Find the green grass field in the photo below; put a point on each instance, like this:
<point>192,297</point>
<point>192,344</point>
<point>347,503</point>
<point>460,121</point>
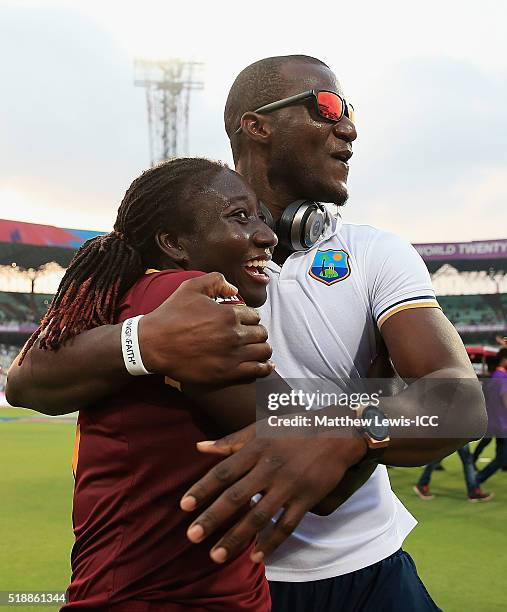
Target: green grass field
<point>460,548</point>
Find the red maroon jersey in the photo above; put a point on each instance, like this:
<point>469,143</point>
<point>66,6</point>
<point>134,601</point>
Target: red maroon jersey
<point>135,457</point>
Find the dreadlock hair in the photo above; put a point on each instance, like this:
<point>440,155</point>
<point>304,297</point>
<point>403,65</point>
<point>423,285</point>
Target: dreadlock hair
<point>105,267</point>
<point>256,85</point>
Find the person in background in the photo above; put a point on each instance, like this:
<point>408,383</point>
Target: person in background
<point>495,391</point>
<point>481,445</point>
<point>474,492</point>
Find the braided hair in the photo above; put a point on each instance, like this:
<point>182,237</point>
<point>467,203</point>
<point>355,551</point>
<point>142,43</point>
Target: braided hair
<point>106,267</point>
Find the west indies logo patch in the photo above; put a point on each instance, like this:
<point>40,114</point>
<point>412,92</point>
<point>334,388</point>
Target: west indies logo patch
<point>330,267</point>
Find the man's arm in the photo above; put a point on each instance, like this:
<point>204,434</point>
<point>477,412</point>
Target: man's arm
<point>424,345</point>
<point>190,338</point>
<point>295,474</point>
<point>235,407</point>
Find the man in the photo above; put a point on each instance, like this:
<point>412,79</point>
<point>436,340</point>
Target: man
<point>501,341</point>
<point>496,404</point>
<point>351,558</point>
<point>326,329</point>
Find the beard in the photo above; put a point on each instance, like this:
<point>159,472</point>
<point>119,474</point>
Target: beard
<point>292,175</point>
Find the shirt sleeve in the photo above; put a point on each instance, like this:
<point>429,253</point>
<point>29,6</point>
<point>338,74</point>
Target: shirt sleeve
<point>397,277</point>
<point>152,290</point>
<point>155,287</point>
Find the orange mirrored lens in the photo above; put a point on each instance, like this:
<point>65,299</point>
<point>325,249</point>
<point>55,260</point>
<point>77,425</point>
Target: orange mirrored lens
<point>330,105</point>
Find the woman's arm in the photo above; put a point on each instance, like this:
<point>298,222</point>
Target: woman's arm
<point>215,345</point>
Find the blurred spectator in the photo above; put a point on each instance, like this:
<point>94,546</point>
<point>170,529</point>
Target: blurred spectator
<point>480,447</point>
<point>474,492</point>
<point>495,392</point>
<point>7,355</point>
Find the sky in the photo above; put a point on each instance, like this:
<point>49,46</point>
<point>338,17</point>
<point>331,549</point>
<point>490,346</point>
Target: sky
<point>428,82</point>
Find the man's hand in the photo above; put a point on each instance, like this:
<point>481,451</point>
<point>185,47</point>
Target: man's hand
<point>293,475</point>
<point>194,339</point>
<point>352,480</point>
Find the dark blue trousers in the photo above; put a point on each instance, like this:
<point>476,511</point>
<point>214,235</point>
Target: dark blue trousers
<point>498,462</point>
<point>391,585</point>
<point>468,469</point>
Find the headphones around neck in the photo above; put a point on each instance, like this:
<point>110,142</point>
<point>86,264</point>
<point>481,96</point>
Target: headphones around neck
<point>301,225</point>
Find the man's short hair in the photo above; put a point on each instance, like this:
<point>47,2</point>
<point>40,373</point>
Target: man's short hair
<point>256,85</point>
<point>502,354</point>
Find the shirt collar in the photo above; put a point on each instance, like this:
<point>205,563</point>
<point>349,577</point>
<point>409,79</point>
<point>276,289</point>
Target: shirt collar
<point>332,223</point>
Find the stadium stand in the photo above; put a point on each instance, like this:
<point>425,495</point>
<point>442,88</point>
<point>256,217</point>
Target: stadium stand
<point>7,355</point>
<point>17,309</point>
<point>469,279</point>
<point>33,258</point>
<point>475,311</point>
<point>471,284</point>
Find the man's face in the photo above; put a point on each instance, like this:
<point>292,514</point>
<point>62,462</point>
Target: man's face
<point>305,148</point>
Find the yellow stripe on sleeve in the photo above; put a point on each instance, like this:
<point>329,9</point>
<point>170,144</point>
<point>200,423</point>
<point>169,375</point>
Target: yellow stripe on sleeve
<point>389,314</point>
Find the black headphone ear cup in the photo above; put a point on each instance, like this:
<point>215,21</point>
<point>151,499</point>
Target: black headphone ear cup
<point>300,225</point>
<point>284,226</point>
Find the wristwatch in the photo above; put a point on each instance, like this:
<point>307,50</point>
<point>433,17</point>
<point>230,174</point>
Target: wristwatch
<point>375,430</point>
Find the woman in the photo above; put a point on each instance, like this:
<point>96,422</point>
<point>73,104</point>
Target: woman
<point>135,455</point>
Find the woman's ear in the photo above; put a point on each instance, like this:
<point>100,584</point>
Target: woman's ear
<point>172,249</point>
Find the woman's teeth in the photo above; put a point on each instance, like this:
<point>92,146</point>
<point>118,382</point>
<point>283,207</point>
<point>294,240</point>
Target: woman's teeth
<point>257,263</point>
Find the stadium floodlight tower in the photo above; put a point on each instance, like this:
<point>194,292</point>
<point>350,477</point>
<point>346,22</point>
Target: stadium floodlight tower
<point>168,84</point>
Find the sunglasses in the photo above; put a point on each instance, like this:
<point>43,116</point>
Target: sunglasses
<point>328,105</point>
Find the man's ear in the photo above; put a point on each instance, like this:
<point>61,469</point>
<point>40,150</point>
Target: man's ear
<point>173,248</point>
<point>257,127</point>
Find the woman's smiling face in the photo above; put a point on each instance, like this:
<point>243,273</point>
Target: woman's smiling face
<point>230,236</point>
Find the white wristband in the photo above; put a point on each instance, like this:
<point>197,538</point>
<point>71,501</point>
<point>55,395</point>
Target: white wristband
<point>130,347</point>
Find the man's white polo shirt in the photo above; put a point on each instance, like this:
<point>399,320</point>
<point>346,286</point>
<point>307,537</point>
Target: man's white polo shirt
<point>322,310</point>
